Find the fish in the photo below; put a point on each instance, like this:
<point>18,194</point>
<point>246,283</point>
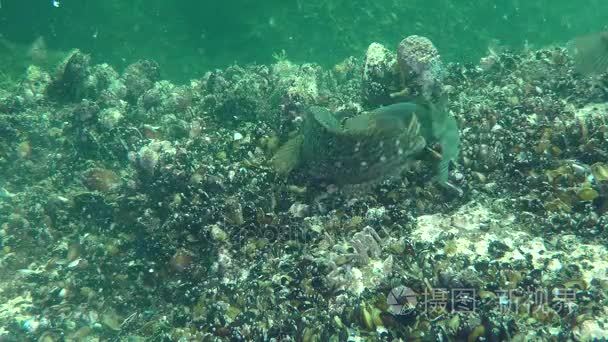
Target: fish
<point>590,53</point>
<point>370,147</point>
<point>5,193</point>
<point>19,56</point>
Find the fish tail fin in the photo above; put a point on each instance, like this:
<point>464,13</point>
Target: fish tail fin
<point>439,110</point>
<point>590,53</point>
<point>446,132</point>
<point>288,156</point>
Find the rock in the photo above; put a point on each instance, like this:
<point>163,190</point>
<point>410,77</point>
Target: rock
<point>379,75</point>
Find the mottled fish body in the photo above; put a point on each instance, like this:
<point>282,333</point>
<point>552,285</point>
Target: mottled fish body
<point>436,126</point>
<point>367,148</point>
<point>355,155</point>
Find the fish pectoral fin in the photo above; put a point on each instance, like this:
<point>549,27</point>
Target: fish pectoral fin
<point>413,128</point>
<point>326,119</point>
<point>288,156</point>
<point>453,188</point>
<point>434,153</point>
<point>359,123</point>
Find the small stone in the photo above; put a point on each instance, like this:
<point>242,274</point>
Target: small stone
<point>458,176</point>
<point>299,209</point>
<point>110,117</point>
<point>375,214</point>
<point>218,233</point>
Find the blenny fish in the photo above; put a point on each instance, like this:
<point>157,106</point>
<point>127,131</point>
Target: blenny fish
<point>371,146</point>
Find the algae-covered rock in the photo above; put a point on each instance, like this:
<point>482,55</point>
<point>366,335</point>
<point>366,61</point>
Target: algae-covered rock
<point>69,84</point>
<point>420,66</point>
<point>237,94</point>
<point>139,77</point>
<point>380,75</point>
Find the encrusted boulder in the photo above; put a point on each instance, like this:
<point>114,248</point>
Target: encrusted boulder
<point>379,78</point>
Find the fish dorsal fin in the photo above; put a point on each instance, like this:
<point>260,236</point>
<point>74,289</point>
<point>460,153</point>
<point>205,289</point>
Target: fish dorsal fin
<point>391,118</point>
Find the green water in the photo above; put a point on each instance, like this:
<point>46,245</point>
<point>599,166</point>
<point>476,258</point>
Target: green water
<point>188,38</point>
